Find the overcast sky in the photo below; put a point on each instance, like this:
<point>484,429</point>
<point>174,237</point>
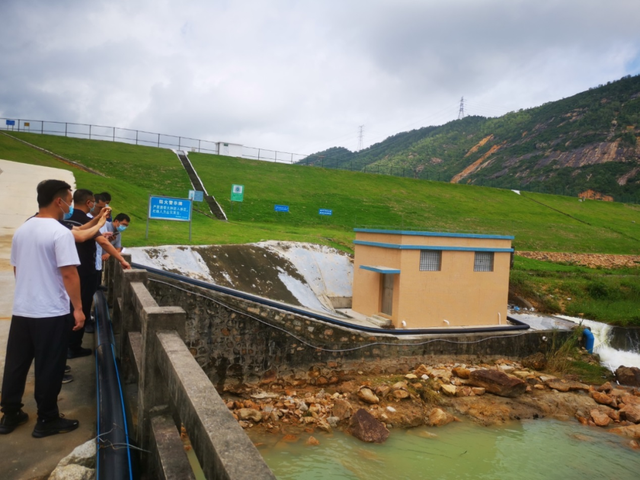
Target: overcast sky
<point>302,76</point>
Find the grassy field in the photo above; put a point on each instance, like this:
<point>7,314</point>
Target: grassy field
<point>538,221</point>
<point>607,295</point>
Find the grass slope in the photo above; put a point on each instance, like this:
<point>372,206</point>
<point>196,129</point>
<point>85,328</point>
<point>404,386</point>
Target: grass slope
<point>538,221</point>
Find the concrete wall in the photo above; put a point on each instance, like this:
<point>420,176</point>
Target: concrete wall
<point>422,299</point>
<point>238,341</point>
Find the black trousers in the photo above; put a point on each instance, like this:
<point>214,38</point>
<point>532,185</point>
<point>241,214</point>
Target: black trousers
<point>87,290</point>
<point>46,341</point>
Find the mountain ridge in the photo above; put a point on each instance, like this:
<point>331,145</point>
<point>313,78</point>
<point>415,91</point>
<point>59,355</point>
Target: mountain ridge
<point>588,141</point>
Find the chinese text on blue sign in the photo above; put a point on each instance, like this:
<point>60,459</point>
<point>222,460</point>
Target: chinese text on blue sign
<point>324,211</point>
<point>164,208</point>
<point>281,208</point>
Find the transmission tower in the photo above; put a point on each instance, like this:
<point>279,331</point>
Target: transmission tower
<point>461,111</point>
<point>360,137</point>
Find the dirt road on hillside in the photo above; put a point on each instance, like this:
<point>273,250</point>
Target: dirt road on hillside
<point>591,260</point>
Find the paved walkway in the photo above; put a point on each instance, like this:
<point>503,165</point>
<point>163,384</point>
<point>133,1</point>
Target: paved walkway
<point>22,456</point>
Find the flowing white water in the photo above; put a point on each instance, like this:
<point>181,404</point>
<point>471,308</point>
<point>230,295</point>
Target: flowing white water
<point>609,356</point>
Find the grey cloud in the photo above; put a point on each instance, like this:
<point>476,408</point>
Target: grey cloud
<point>302,75</point>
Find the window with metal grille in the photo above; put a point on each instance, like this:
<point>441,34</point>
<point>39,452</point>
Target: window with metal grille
<point>430,260</point>
<point>483,262</point>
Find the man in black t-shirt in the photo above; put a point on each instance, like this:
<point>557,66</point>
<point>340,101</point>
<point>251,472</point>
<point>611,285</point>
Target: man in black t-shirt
<point>83,203</point>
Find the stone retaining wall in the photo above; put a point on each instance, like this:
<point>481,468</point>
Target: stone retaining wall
<point>239,341</point>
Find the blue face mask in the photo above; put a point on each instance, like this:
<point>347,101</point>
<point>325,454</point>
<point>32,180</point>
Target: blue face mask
<point>67,216</point>
<point>122,228</point>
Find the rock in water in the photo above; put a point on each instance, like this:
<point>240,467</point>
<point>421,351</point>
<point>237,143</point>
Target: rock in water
<point>632,431</point>
<point>342,409</point>
<point>365,427</point>
<point>497,382</point>
<point>438,417</point>
<point>628,376</point>
<point>630,413</point>
<point>600,418</point>
<point>249,414</point>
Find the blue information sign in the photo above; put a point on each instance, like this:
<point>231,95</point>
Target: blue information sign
<point>166,208</point>
<point>11,123</point>
<point>281,208</point>
<point>324,211</point>
<point>196,195</point>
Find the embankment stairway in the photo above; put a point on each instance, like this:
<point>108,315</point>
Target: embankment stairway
<point>214,206</point>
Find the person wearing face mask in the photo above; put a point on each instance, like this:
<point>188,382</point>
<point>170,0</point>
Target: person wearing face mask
<point>114,232</point>
<point>84,202</point>
<point>44,260</point>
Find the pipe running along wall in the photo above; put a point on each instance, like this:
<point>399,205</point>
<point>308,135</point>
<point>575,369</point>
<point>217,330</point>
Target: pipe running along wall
<point>325,318</point>
<point>114,453</point>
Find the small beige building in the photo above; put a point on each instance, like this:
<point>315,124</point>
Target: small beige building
<point>428,279</point>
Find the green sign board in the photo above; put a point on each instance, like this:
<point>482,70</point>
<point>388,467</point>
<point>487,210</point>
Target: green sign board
<point>237,193</point>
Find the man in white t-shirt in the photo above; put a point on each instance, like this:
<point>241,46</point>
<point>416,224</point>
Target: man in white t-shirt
<point>45,260</point>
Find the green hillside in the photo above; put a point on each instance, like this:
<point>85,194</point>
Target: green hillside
<point>587,141</point>
<point>538,221</point>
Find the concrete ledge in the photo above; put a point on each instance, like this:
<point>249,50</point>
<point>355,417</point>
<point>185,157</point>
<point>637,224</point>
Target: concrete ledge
<point>205,416</point>
<point>135,341</point>
<point>169,460</point>
<point>141,297</point>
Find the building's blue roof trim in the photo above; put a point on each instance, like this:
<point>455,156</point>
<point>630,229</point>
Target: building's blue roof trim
<point>432,247</point>
<point>380,269</point>
<point>434,234</point>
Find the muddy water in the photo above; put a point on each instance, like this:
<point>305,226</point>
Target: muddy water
<point>542,449</point>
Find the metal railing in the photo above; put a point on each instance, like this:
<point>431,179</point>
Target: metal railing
<point>140,137</point>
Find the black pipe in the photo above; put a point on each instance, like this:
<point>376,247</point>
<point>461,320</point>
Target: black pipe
<point>289,308</point>
<point>114,454</point>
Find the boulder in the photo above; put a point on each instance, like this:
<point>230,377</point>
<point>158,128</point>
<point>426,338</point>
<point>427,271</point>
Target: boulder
<point>449,390</point>
<point>630,412</point>
<point>421,370</point>
<point>366,395</point>
<point>73,472</point>
<point>324,425</point>
<point>400,394</point>
<point>333,421</point>
<point>461,372</point>
<point>382,390</point>
<point>497,382</point>
<point>599,418</point>
<point>603,398</point>
<point>478,391</point>
<point>537,361</point>
<point>605,387</point>
<point>399,386</point>
<point>78,465</point>
<point>438,417</point>
<point>631,431</point>
<point>628,376</point>
<point>464,391</point>
<point>342,409</point>
<point>365,427</point>
<point>84,455</point>
<point>249,414</point>
<point>312,441</point>
<point>565,385</point>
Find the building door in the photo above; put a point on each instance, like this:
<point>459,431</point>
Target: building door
<point>387,293</point>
